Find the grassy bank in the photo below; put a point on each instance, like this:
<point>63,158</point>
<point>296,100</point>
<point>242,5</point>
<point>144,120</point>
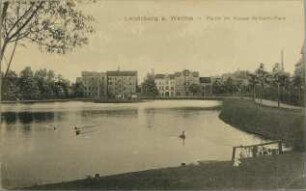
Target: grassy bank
<point>273,123</point>
<point>269,172</point>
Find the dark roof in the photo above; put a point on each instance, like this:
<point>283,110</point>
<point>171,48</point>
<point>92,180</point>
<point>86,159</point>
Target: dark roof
<point>87,73</point>
<point>163,76</point>
<point>205,80</point>
<point>121,73</point>
<point>160,76</point>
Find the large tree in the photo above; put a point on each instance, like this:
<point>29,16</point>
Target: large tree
<point>280,79</point>
<point>253,81</point>
<point>11,86</point>
<point>78,90</point>
<point>263,78</point>
<point>195,89</point>
<point>56,26</point>
<point>28,85</point>
<point>299,81</point>
<point>45,87</point>
<point>218,86</point>
<point>230,86</point>
<point>148,87</point>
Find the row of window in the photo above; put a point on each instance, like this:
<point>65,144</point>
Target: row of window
<point>124,83</point>
<point>166,82</point>
<point>122,89</point>
<point>91,88</point>
<point>122,78</point>
<point>165,88</point>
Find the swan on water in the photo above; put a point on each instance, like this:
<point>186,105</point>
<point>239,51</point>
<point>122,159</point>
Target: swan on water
<point>183,136</point>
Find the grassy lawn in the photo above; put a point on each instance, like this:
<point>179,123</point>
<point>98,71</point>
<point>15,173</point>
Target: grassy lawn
<point>269,172</point>
<point>273,123</point>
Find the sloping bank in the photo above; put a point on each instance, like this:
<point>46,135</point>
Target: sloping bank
<point>269,122</point>
<point>267,172</point>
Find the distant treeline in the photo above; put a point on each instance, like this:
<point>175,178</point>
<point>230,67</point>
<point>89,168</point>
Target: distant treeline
<point>37,85</point>
<point>275,85</point>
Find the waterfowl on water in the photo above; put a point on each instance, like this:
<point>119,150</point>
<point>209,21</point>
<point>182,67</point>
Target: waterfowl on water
<point>183,136</point>
<point>77,130</point>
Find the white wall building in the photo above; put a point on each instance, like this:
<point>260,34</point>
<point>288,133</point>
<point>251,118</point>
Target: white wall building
<point>165,85</point>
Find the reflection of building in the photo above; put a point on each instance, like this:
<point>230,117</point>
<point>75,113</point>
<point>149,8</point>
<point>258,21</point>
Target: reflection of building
<point>206,86</point>
<point>95,85</point>
<point>121,84</point>
<point>184,80</point>
<point>165,85</point>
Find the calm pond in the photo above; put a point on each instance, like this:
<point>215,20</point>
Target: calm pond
<point>38,142</point>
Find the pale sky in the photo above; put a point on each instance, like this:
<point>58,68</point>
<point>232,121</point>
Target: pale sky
<point>210,47</point>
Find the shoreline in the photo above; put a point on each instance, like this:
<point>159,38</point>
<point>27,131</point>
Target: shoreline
<point>267,122</point>
<point>254,173</point>
<point>142,99</point>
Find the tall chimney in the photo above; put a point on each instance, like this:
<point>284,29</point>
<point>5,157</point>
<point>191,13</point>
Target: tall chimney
<point>282,60</point>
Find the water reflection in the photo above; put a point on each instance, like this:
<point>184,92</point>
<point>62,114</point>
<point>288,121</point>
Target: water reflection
<point>26,128</point>
<point>181,112</point>
<point>111,113</point>
<point>113,139</point>
<point>9,117</point>
<point>26,117</point>
<point>150,118</point>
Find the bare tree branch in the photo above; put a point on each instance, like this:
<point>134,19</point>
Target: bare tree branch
<point>24,15</point>
<point>27,21</point>
<point>4,10</point>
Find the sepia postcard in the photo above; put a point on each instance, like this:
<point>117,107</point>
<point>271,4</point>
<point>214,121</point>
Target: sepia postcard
<point>152,95</point>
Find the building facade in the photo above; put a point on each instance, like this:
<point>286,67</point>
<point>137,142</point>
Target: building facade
<point>121,84</point>
<point>165,85</point>
<point>206,86</point>
<point>95,84</point>
<point>183,81</point>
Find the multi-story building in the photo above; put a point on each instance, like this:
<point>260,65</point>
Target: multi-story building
<point>206,86</point>
<point>165,85</point>
<point>121,84</point>
<point>95,84</point>
<point>183,81</point>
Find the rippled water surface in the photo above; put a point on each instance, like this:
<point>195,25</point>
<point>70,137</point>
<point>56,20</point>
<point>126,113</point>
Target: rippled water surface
<point>38,142</point>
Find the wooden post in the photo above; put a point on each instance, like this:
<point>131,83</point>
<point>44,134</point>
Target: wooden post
<point>234,153</point>
<point>280,147</point>
<point>255,151</point>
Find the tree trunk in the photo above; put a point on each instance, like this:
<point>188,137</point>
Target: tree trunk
<point>254,93</point>
<point>278,95</point>
<point>1,51</point>
<point>261,94</point>
<point>299,95</point>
